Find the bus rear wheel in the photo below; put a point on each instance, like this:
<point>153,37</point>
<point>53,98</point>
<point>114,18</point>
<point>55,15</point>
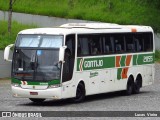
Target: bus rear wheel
<point>137,85</point>
<point>80,93</point>
<point>130,85</point>
<point>35,100</point>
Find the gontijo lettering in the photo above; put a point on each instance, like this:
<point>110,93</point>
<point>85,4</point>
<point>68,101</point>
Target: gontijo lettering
<point>93,63</point>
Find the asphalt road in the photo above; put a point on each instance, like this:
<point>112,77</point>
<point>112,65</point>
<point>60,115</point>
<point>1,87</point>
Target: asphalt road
<point>147,100</point>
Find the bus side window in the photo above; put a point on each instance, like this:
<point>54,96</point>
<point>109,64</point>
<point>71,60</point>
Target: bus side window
<point>94,47</point>
<point>138,46</point>
<point>148,44</point>
<point>69,58</point>
<point>118,48</point>
<point>107,48</point>
<point>106,44</point>
<point>130,44</point>
<point>130,47</point>
<point>96,44</point>
<point>83,48</point>
<point>119,43</point>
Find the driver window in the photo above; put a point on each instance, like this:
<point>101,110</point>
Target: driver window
<point>68,66</point>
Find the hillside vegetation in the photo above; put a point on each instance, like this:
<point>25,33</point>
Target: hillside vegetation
<point>5,38</point>
<point>157,56</point>
<point>141,12</point>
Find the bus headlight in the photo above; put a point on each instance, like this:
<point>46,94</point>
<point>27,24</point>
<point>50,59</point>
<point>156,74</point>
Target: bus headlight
<point>54,86</point>
<point>16,85</point>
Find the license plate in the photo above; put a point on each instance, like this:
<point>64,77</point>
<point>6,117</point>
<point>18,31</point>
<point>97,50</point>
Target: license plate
<point>33,93</point>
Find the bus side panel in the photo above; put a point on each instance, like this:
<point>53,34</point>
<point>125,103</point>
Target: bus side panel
<point>121,80</point>
<point>112,83</point>
<point>91,83</point>
<point>69,88</point>
<point>148,75</point>
<point>106,81</point>
<point>119,83</point>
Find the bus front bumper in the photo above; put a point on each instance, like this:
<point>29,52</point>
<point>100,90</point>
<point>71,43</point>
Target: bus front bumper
<point>54,93</point>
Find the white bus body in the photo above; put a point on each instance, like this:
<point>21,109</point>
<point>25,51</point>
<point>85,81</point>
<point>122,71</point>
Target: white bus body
<point>80,59</point>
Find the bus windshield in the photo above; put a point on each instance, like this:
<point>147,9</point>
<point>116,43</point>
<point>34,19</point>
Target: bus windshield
<point>42,41</point>
<point>36,65</point>
<point>36,57</point>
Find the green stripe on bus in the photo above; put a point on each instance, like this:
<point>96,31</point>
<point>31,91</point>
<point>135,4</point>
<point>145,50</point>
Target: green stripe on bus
<point>143,59</point>
<point>109,62</point>
<point>95,63</point>
<point>13,80</point>
<point>119,73</point>
<point>135,59</point>
<point>52,82</point>
<point>123,60</point>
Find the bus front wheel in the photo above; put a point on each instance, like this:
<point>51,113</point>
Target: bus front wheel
<point>35,100</point>
<point>80,93</point>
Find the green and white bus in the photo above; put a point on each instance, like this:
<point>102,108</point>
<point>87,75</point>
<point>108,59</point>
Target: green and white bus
<point>79,59</point>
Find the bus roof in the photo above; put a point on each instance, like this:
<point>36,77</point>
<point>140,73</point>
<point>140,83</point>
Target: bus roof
<point>80,28</point>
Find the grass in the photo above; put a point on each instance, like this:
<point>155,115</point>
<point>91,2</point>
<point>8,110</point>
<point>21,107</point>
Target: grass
<point>5,38</point>
<point>141,12</point>
<point>157,56</point>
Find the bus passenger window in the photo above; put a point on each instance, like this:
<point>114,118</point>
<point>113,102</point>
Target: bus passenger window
<point>130,44</point>
<point>119,40</point>
<point>95,45</point>
<point>118,48</point>
<point>108,44</point>
<point>130,47</point>
<point>107,49</point>
<point>83,48</point>
<point>95,51</point>
<point>138,45</point>
<point>148,44</point>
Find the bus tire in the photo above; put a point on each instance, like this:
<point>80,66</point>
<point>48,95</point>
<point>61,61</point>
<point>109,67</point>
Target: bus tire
<point>35,100</point>
<point>130,85</point>
<point>80,93</point>
<point>137,85</point>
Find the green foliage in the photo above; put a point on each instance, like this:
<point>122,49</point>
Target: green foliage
<point>157,56</point>
<point>141,12</point>
<point>5,38</point>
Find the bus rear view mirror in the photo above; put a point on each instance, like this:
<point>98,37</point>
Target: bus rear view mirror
<point>7,52</point>
<point>61,53</point>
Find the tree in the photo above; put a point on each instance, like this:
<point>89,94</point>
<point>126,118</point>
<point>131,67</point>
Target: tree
<point>11,2</point>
